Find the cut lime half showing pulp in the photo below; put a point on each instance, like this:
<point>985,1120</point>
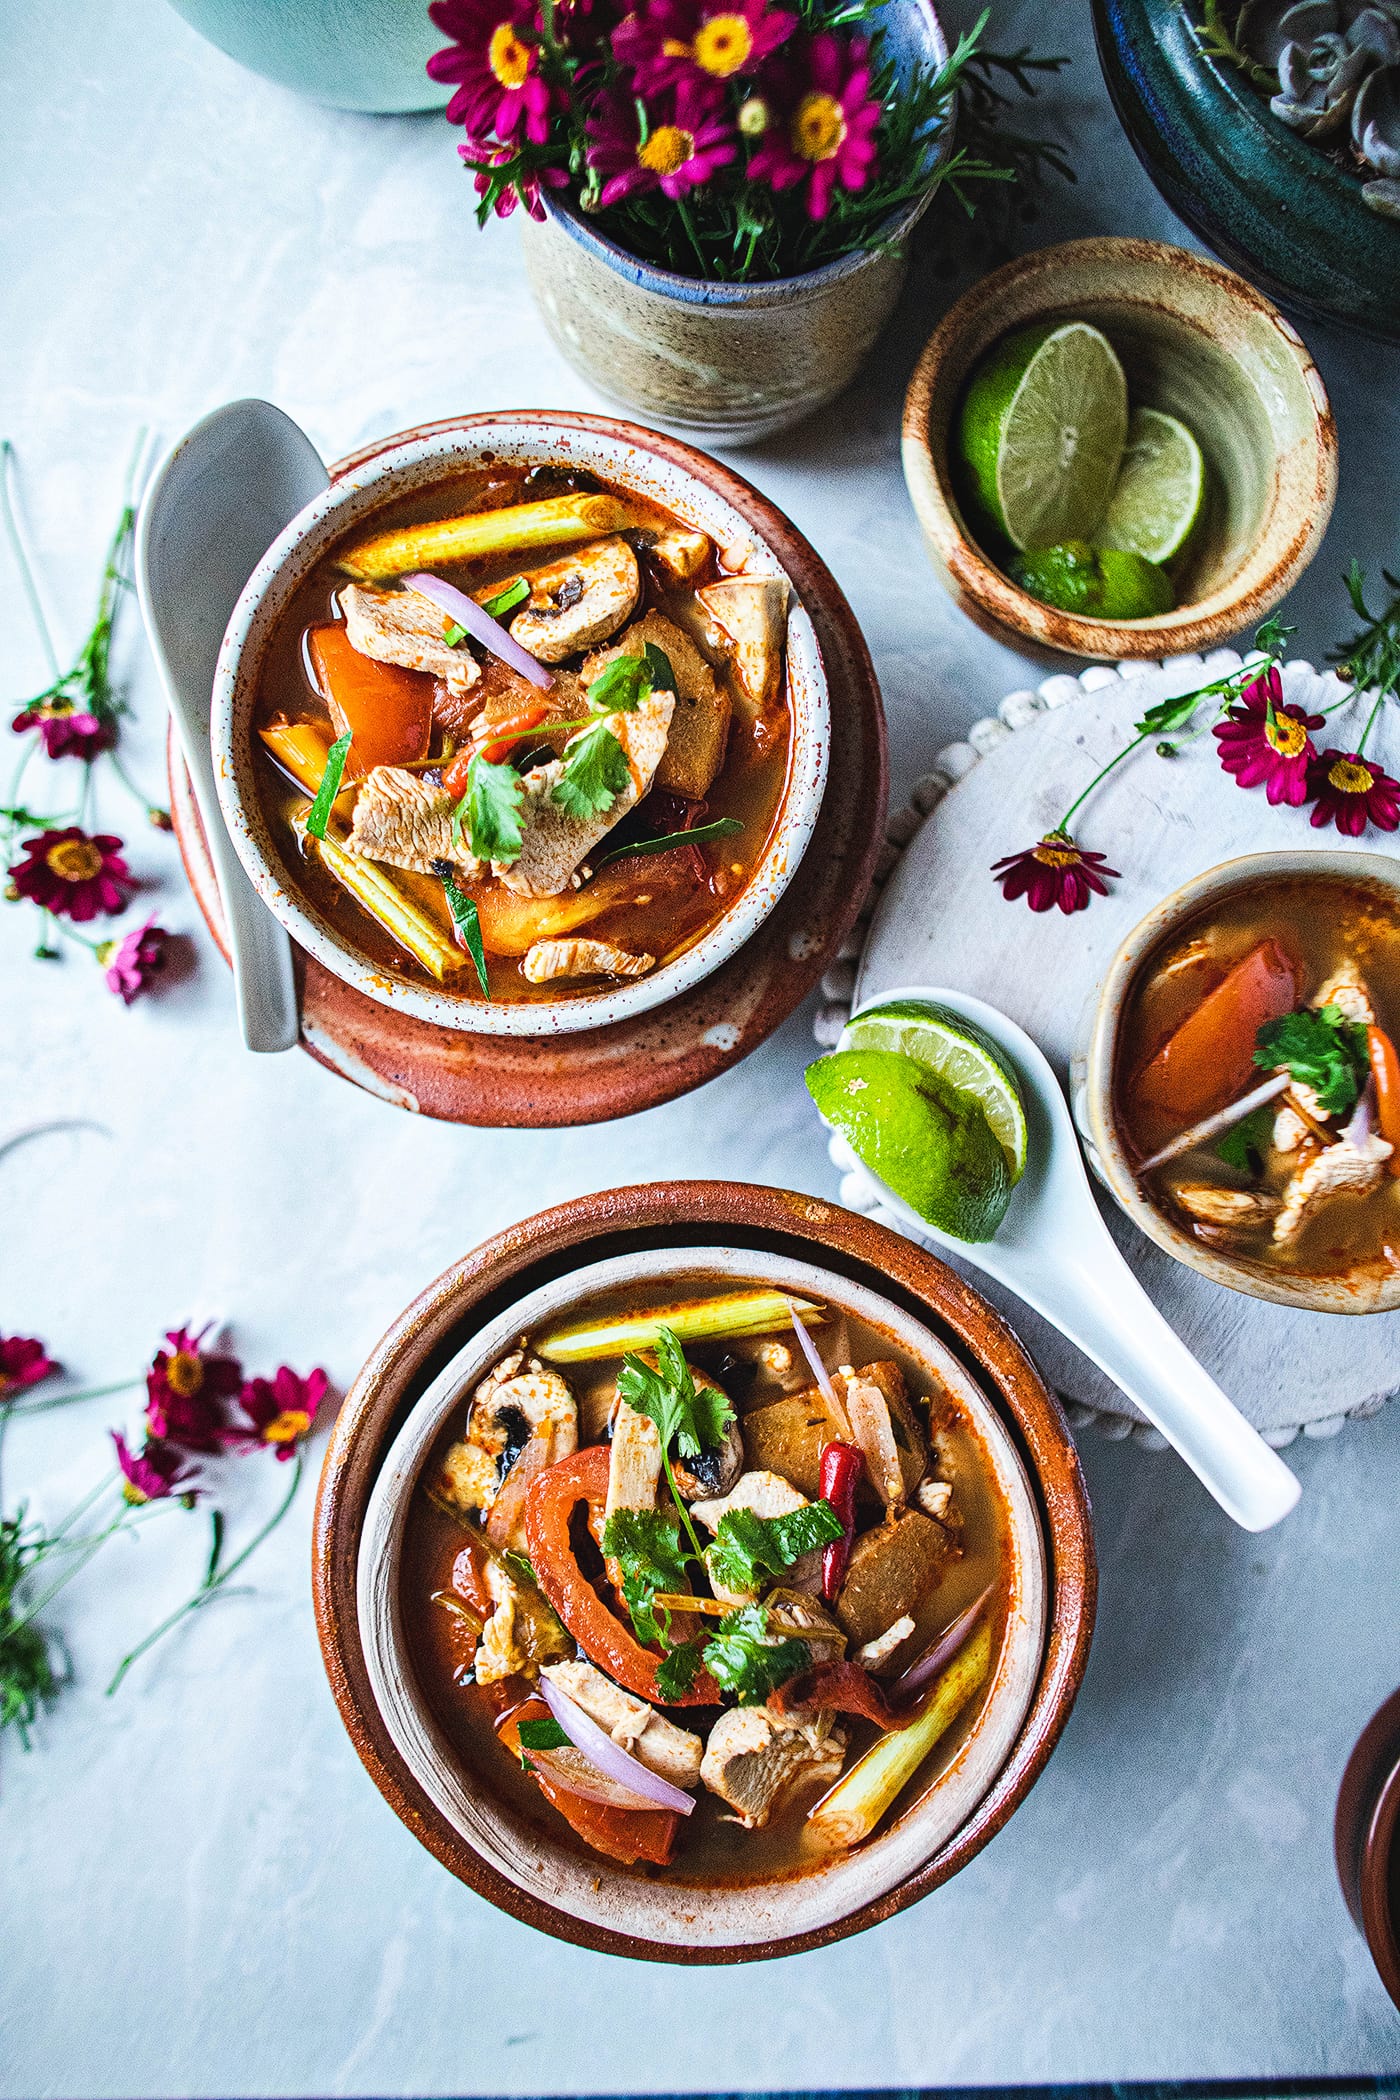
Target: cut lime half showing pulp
<point>1042,432</point>
<point>961,1053</point>
<point>1160,488</point>
<point>926,1140</point>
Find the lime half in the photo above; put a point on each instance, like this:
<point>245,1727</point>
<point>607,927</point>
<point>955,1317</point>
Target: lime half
<point>960,1053</point>
<point>1159,491</point>
<point>1042,432</point>
<point>932,1145</point>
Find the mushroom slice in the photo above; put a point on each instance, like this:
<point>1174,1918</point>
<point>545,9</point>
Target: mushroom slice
<point>404,627</point>
<point>1240,1208</point>
<point>751,612</point>
<point>582,958</point>
<point>679,555</point>
<point>578,601</point>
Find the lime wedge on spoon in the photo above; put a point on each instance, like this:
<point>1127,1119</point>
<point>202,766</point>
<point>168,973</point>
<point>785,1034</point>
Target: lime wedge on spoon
<point>960,1053</point>
<point>1042,432</point>
<point>932,1145</point>
<point>1159,491</point>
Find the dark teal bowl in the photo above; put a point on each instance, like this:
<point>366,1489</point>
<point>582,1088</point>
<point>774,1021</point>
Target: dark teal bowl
<point>1264,199</point>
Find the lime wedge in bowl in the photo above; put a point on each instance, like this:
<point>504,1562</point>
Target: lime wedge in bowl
<point>926,1140</point>
<point>1160,489</point>
<point>961,1054</point>
<point>1042,431</point>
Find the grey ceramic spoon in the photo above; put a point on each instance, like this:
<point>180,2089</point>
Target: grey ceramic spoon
<point>1054,1251</point>
<point>213,508</point>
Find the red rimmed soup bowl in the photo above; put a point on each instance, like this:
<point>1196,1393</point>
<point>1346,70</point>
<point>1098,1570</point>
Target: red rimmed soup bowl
<point>383,1549</point>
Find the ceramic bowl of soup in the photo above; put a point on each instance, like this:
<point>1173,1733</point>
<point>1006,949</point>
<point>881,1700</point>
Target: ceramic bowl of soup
<point>620,1690</point>
<point>573,708</point>
<point>1273,978</point>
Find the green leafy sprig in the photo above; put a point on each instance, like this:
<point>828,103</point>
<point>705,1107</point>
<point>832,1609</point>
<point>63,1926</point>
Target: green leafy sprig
<point>1323,1050</point>
<point>693,1419</point>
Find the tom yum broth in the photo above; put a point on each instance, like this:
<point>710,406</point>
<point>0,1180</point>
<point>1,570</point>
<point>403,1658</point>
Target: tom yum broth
<point>676,1600</point>
<point>525,737</point>
<point>1262,1039</point>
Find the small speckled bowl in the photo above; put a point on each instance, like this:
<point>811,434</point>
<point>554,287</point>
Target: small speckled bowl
<point>1196,341</point>
<point>1095,1073</point>
<point>626,457</point>
<point>541,1268</point>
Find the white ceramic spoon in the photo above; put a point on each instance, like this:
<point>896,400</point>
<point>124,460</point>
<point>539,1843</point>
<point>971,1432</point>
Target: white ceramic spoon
<point>1054,1250</point>
<point>212,510</point>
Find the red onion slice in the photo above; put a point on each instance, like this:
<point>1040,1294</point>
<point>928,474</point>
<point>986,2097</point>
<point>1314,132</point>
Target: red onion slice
<point>616,1763</point>
<point>814,1363</point>
<point>1358,1130</point>
<point>480,624</point>
<point>926,1667</point>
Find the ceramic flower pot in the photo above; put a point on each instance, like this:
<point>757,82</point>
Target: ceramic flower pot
<point>354,54</point>
<point>1262,196</point>
<point>729,362</point>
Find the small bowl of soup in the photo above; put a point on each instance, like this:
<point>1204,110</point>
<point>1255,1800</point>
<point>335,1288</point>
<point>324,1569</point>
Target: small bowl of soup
<point>1242,1083</point>
<point>522,726</point>
<point>704,1573</point>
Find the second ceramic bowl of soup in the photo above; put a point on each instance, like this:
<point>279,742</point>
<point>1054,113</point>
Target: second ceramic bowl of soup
<point>1301,922</point>
<point>429,474</point>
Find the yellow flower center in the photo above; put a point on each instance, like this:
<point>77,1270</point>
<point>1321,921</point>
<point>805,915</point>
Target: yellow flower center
<point>818,127</point>
<point>56,710</point>
<point>1286,734</point>
<point>722,45</point>
<point>286,1428</point>
<point>184,1373</point>
<point>133,1494</point>
<point>1350,779</point>
<point>508,57</point>
<point>668,148</point>
<point>74,860</point>
<point>1052,856</point>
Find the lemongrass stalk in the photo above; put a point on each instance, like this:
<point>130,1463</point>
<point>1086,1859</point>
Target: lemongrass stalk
<point>385,901</point>
<point>848,1814</point>
<point>443,542</point>
<point>695,1320</point>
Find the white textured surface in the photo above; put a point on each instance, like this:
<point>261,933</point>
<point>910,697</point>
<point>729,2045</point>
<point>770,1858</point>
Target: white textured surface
<point>200,1891</point>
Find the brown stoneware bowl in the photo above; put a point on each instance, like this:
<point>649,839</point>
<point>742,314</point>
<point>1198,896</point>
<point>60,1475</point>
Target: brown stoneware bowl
<point>1195,341</point>
<point>371,1467</point>
<point>1367,1835</point>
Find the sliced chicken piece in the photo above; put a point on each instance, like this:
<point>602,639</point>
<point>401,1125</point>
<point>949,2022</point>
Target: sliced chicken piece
<point>1342,1169</point>
<point>754,1758</point>
<point>406,819</point>
<point>934,1497</point>
<point>1240,1208</point>
<point>403,627</point>
<point>469,1477</point>
<point>766,1494</point>
<point>582,958</point>
<point>556,843</point>
<point>699,730</point>
<point>633,1725</point>
<point>521,1634</point>
<point>634,1462</point>
<point>578,601</point>
<point>679,554</point>
<point>873,1653</point>
<point>1346,989</point>
<point>751,612</point>
<point>803,1615</point>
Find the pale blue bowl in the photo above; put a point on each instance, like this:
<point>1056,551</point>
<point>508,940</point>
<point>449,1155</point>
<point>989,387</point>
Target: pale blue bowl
<point>353,54</point>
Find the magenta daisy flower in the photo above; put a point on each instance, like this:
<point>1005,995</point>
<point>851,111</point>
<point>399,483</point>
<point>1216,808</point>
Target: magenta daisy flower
<point>686,141</point>
<point>1265,744</point>
<point>185,1392</point>
<point>73,875</point>
<point>153,1472</point>
<point>281,1409</point>
<point>668,41</point>
<point>131,962</point>
<point>23,1362</point>
<point>1054,871</point>
<point>495,61</point>
<point>1351,793</point>
<point>524,189</point>
<point>67,730</point>
<point>826,133</point>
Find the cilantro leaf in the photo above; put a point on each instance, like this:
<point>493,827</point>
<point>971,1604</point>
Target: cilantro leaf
<point>1324,1050</point>
<point>747,1547</point>
<point>694,1419</point>
<point>659,670</point>
<point>512,594</point>
<point>1243,1145</point>
<point>647,1547</point>
<point>744,1660</point>
<point>543,1734</point>
<point>491,807</point>
<point>595,773</point>
<point>676,1673</point>
<point>622,685</point>
<point>318,816</point>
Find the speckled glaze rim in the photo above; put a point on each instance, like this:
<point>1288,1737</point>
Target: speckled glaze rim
<point>630,457</point>
<point>1366,1838</point>
<point>1139,275</point>
<point>595,1891</point>
<point>730,1215</point>
<point>1311,1293</point>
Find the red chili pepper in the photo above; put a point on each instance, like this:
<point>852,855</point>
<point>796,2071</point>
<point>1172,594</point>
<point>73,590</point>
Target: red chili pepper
<point>841,1468</point>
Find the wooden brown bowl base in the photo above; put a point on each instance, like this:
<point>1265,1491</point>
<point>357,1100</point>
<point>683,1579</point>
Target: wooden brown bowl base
<point>1366,1836</point>
<point>729,1214</point>
<point>517,1082</point>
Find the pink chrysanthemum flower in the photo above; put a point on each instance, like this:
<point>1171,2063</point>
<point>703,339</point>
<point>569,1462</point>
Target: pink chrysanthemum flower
<point>1351,792</point>
<point>73,875</point>
<point>667,41</point>
<point>281,1409</point>
<point>185,1392</point>
<point>130,963</point>
<point>1054,871</point>
<point>154,1472</point>
<point>826,132</point>
<point>67,730</point>
<point>1265,744</point>
<point>23,1362</point>
<point>495,61</point>
<point>686,142</point>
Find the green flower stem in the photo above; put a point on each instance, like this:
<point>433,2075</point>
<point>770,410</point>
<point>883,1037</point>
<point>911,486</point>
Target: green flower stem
<point>21,553</point>
<point>84,1550</point>
<point>213,1582</point>
<point>1370,723</point>
<point>683,211</point>
<point>21,1408</point>
<point>138,794</point>
<point>1103,773</point>
<point>682,1512</point>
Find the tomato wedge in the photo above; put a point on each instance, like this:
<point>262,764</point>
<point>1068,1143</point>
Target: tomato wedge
<point>624,1834</point>
<point>549,1509</point>
<point>1209,1060</point>
<point>1385,1070</point>
<point>388,711</point>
